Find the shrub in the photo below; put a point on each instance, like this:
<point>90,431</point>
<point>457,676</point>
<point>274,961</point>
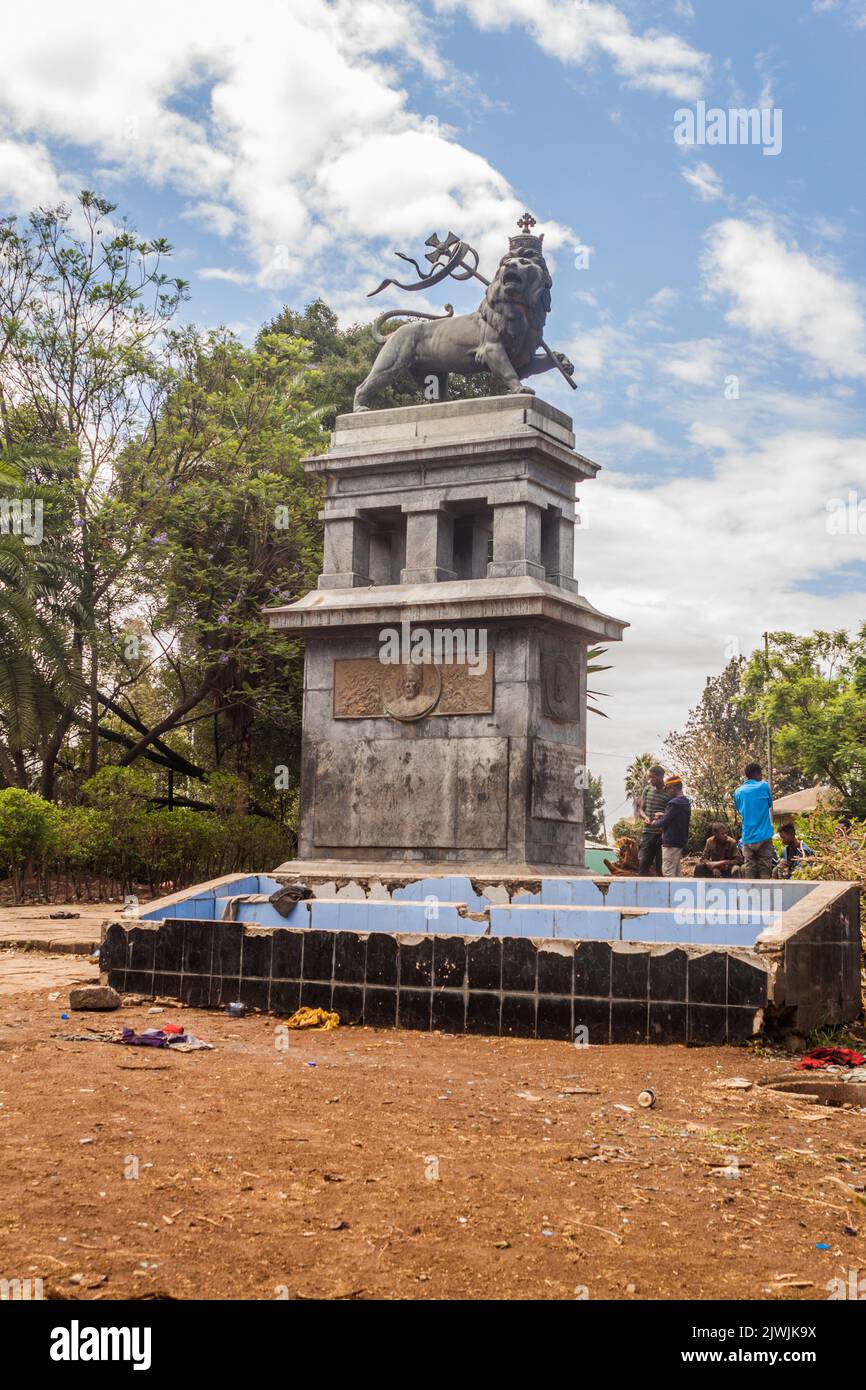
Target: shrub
<point>28,830</point>
<point>625,826</point>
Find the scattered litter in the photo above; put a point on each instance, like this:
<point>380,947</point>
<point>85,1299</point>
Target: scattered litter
<point>94,997</point>
<point>64,1015</point>
<point>339,1226</point>
<point>821,1057</point>
<point>502,1245</point>
<point>647,1099</point>
<point>89,1140</point>
<point>822,1245</point>
<point>627,1109</point>
<point>156,1010</point>
<point>311,1064</point>
<point>236,1009</point>
<point>734,1083</point>
<point>527,1095</point>
<point>160,1037</point>
<point>63,916</point>
<point>80,1037</point>
<point>55,995</point>
<point>284,899</point>
<point>313,1018</point>
<point>579,1091</point>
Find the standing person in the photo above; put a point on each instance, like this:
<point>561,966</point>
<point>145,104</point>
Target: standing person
<point>721,857</point>
<point>655,798</point>
<point>673,823</point>
<point>753,800</point>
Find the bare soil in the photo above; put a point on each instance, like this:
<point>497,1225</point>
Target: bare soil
<point>358,1164</point>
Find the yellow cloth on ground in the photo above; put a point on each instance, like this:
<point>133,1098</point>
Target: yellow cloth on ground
<point>313,1018</point>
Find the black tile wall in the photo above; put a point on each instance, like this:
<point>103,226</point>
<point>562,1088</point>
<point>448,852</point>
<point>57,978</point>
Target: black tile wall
<point>511,986</point>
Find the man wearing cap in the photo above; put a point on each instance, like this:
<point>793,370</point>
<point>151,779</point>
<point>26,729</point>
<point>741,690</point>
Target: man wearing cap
<point>674,825</point>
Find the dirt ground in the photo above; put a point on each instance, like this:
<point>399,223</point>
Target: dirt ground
<point>359,1164</point>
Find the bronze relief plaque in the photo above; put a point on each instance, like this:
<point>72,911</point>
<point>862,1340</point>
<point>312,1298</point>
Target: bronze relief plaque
<point>366,688</point>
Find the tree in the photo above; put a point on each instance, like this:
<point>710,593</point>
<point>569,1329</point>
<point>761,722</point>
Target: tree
<point>812,693</point>
<point>84,304</point>
<point>719,738</point>
<point>636,779</point>
<point>231,523</point>
<point>593,808</point>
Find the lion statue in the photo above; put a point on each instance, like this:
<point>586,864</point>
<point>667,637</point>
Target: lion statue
<point>502,336</point>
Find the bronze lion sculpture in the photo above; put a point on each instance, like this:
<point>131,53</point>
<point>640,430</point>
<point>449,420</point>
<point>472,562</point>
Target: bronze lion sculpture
<point>502,336</point>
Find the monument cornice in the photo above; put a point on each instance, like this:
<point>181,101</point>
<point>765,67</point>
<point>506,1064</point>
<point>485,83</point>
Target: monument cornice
<point>474,601</point>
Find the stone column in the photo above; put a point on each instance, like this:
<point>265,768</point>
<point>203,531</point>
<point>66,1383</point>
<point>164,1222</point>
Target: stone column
<point>429,546</point>
<point>516,541</point>
<point>558,552</point>
<point>347,552</point>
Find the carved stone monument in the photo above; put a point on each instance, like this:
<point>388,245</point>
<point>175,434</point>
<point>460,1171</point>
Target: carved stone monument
<point>445,672</point>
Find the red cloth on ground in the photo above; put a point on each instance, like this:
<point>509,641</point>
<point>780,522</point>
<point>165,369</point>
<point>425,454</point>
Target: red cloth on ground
<point>821,1057</point>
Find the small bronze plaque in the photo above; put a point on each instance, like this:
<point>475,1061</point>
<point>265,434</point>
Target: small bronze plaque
<point>560,688</point>
<point>366,688</point>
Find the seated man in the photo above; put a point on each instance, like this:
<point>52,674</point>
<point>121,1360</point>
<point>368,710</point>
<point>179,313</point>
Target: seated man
<point>721,857</point>
<point>794,851</point>
<point>627,864</point>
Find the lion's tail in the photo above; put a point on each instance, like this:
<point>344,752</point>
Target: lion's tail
<point>379,337</point>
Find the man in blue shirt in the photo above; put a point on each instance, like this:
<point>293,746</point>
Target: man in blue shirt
<point>753,800</point>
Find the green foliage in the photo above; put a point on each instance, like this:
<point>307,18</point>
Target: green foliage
<point>343,357</point>
<point>626,826</point>
<point>637,778</point>
<point>813,694</point>
<point>718,740</point>
<point>593,666</point>
<point>28,827</point>
<point>593,808</point>
<point>116,844</point>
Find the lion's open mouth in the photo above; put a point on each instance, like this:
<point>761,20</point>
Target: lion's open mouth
<point>511,280</point>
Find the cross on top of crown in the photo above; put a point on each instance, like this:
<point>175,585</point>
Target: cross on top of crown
<point>526,223</point>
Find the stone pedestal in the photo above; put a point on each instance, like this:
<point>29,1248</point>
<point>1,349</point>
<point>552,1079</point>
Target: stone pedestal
<point>445,675</point>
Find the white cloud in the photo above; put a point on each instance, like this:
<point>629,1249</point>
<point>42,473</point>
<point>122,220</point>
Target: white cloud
<point>625,441</point>
<point>576,33</point>
<point>28,178</point>
<point>696,363</point>
<point>705,182</point>
<point>696,563</point>
<point>778,292</point>
<point>282,126</point>
<point>707,436</point>
<point>287,127</point>
<point>214,217</point>
<point>231,277</point>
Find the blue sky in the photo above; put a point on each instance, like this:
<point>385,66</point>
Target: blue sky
<point>719,330</point>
